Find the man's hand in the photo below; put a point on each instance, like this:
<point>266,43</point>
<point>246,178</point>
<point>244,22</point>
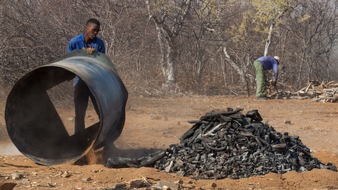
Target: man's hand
<point>89,50</point>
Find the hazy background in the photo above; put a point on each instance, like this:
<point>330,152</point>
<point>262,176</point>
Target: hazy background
<point>197,47</point>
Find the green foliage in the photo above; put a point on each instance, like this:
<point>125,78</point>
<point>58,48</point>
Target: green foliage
<point>304,18</point>
<point>264,13</point>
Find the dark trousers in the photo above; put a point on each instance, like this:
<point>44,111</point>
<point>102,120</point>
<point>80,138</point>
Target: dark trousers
<point>81,97</point>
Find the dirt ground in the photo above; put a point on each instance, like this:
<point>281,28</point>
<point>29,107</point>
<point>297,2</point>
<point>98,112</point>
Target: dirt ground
<point>155,123</point>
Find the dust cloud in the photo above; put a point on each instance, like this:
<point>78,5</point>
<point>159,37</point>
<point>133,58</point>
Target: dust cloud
<point>121,149</point>
<point>8,149</point>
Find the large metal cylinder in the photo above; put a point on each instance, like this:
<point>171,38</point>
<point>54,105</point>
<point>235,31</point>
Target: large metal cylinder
<point>33,123</point>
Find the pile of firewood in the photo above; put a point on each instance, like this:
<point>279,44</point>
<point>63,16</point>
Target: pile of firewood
<point>320,92</point>
<point>316,91</point>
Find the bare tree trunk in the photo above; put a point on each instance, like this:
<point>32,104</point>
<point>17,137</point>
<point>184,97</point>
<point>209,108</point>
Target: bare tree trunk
<point>224,71</point>
<point>234,65</point>
<point>168,57</point>
<point>300,71</point>
<point>160,43</point>
<point>328,68</point>
<point>169,34</point>
<point>310,69</point>
<point>160,38</point>
<point>199,68</point>
<point>171,61</point>
<point>110,45</point>
<point>268,40</point>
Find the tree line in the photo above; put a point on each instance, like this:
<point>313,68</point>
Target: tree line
<point>178,46</point>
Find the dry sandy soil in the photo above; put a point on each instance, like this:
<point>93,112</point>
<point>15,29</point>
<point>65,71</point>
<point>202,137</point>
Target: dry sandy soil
<point>155,123</point>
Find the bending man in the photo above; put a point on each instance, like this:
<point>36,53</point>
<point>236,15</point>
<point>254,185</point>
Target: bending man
<point>262,64</point>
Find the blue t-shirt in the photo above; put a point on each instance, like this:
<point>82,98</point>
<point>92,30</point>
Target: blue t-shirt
<point>78,42</point>
<point>269,63</point>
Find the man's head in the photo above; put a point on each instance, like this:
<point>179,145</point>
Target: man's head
<point>277,59</point>
<point>92,28</point>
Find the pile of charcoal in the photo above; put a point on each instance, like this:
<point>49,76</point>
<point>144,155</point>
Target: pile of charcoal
<point>228,144</point>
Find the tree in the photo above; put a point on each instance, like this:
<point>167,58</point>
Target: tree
<point>268,14</point>
<point>169,18</point>
<point>31,38</point>
<point>312,35</point>
<point>195,46</point>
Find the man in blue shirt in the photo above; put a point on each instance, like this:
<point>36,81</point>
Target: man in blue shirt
<point>89,41</point>
<point>262,64</point>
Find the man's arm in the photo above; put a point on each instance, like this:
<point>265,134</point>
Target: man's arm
<point>101,47</point>
<point>275,72</point>
<point>70,46</point>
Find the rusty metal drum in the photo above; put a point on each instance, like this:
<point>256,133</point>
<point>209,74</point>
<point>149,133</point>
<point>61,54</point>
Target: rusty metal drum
<point>34,125</point>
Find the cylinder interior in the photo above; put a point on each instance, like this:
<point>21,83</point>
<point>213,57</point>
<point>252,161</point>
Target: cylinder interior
<point>34,124</point>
